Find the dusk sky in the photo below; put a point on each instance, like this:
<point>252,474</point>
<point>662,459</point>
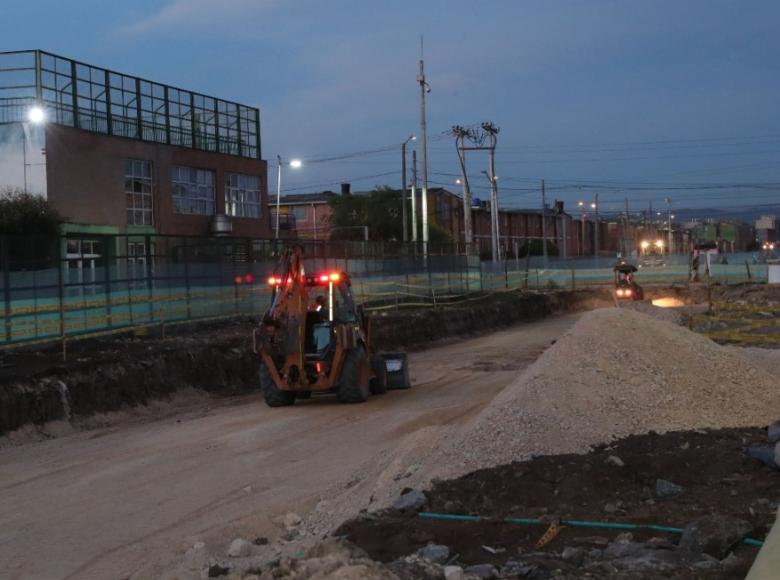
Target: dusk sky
<point>628,98</point>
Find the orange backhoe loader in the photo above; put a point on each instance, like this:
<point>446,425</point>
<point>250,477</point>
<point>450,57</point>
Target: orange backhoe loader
<point>314,339</point>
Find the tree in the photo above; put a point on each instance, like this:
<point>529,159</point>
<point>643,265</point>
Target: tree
<point>22,213</point>
<point>380,210</point>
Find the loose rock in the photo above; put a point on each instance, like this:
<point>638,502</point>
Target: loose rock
<point>773,432</point>
<point>292,520</point>
<point>766,454</point>
<point>615,460</point>
<point>239,548</point>
<point>714,535</point>
<point>215,571</point>
<point>435,553</point>
<point>482,571</point>
<point>453,573</point>
<point>411,501</point>
<point>573,555</point>
<point>664,488</point>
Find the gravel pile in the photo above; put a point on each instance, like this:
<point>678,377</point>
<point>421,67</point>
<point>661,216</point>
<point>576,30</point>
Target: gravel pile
<point>673,315</point>
<point>616,372</point>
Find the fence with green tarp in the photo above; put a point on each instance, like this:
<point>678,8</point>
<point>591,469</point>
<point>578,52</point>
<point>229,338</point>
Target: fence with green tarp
<point>83,284</point>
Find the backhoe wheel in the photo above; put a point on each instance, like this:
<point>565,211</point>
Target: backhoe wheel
<point>274,396</point>
<point>379,380</point>
<point>354,383</point>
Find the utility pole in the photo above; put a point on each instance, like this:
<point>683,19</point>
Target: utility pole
<point>625,232</point>
<point>669,223</point>
<point>278,193</point>
<point>424,88</point>
<point>495,237</point>
<point>596,237</point>
<point>414,195</point>
<point>544,225</point>
<point>468,236</point>
<point>483,140</point>
<point>404,197</point>
<point>24,156</point>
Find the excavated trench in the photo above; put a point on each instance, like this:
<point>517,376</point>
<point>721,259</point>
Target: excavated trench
<point>109,374</point>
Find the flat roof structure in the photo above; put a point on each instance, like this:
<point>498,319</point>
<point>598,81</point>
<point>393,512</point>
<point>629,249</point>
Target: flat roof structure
<point>99,100</point>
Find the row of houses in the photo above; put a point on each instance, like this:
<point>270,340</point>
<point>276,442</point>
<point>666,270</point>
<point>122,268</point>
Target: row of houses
<point>308,216</point>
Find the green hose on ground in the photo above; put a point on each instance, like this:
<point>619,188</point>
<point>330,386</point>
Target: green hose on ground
<point>571,523</point>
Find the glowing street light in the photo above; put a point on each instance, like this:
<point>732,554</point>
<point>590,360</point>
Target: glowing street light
<point>36,115</point>
<point>295,164</point>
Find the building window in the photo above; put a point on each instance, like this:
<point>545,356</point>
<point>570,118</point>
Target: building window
<point>138,192</point>
<point>193,190</point>
<point>242,195</point>
<point>301,213</point>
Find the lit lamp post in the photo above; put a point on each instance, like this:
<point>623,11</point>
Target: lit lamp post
<point>295,164</point>
<point>404,198</point>
<point>36,116</point>
<point>581,205</point>
<point>595,207</point>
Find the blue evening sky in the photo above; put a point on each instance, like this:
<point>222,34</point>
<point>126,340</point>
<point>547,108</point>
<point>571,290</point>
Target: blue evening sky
<point>625,97</point>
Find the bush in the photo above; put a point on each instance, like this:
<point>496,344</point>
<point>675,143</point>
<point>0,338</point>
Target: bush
<point>22,213</point>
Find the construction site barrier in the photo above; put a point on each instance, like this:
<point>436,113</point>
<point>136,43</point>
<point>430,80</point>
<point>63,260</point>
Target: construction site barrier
<point>54,289</point>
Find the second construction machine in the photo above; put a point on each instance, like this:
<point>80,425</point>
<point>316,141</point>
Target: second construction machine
<point>314,339</point>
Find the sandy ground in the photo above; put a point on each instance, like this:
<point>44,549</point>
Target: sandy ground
<point>129,499</point>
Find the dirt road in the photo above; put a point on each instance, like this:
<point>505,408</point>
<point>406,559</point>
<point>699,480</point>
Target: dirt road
<point>118,502</point>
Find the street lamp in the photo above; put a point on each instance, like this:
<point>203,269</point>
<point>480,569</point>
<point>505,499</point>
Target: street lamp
<point>404,199</point>
<point>36,116</point>
<point>295,164</point>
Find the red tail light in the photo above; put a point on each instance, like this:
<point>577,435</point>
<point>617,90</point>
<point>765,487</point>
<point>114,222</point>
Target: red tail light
<point>249,279</point>
<point>319,368</point>
<point>238,280</point>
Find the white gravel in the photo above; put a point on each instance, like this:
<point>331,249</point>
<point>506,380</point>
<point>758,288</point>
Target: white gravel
<point>616,372</point>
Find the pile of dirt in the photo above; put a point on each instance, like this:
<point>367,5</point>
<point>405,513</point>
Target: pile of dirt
<point>676,479</point>
<point>616,372</point>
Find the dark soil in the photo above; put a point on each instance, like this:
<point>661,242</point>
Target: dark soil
<point>716,475</point>
<point>125,370</point>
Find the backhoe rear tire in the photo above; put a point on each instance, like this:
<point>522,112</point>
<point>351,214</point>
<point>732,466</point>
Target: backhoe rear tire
<point>355,372</point>
<point>378,383</point>
<point>273,395</point>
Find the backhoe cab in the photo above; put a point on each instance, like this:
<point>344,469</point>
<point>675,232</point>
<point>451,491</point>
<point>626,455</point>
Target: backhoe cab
<point>314,339</point>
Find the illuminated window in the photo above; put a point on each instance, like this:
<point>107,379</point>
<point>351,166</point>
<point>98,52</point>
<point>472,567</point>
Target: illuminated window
<point>242,195</point>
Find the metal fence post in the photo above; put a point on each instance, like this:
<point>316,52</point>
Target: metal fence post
<point>6,289</point>
<point>186,257</point>
<point>747,267</point>
<point>149,285</point>
<point>107,279</point>
<point>60,285</point>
